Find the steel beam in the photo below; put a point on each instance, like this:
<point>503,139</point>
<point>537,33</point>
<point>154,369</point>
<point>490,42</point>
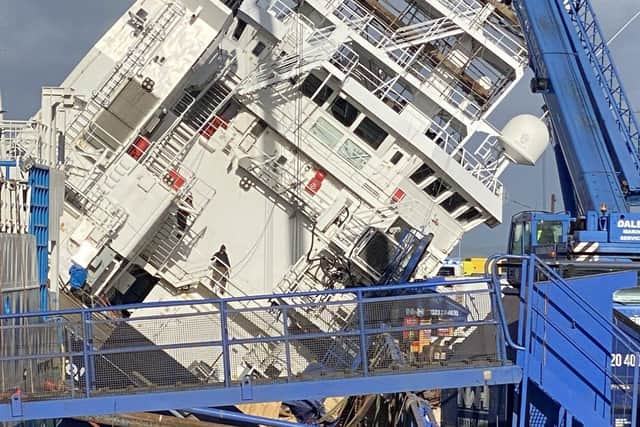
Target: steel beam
<point>452,377</point>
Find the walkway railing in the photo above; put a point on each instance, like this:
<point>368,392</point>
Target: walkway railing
<point>152,350</point>
<point>560,331</point>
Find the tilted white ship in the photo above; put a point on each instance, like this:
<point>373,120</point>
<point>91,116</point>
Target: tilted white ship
<point>321,143</point>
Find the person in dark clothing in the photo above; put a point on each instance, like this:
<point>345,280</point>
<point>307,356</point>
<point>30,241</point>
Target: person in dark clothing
<point>182,215</point>
<point>220,266</point>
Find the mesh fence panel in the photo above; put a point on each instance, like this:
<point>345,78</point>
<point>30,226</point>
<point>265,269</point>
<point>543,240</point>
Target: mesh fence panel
<point>165,346</point>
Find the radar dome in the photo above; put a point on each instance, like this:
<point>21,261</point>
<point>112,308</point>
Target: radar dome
<point>524,139</point>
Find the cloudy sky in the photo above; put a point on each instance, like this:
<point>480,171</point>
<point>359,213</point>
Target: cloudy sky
<point>41,41</point>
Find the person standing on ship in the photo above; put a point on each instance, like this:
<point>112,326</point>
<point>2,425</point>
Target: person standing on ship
<point>220,266</point>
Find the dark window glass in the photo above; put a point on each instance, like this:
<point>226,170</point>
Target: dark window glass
<point>258,128</point>
<point>230,110</point>
<point>454,202</point>
<point>344,112</point>
<point>469,215</point>
<point>396,157</point>
<point>516,237</point>
<point>549,232</point>
<point>371,133</point>
<point>436,188</point>
<point>239,29</point>
<point>310,85</point>
<point>421,174</point>
<point>258,49</point>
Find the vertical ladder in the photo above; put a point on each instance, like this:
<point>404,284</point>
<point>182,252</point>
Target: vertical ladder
<point>133,61</point>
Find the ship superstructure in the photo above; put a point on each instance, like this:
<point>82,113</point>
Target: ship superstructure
<point>323,144</point>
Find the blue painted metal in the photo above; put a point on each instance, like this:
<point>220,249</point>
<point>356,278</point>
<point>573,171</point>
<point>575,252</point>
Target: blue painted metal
<point>596,131</point>
<point>39,226</point>
<point>16,404</point>
<point>625,139</point>
<point>316,389</point>
<point>577,122</point>
<point>100,395</point>
<point>566,337</point>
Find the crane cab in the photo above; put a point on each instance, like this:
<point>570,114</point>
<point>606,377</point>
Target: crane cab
<point>541,233</point>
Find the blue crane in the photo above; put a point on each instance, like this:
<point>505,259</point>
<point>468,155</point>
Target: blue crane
<point>596,135</point>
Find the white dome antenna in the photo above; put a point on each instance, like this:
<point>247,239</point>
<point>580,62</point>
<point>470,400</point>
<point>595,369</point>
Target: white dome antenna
<point>524,139</point>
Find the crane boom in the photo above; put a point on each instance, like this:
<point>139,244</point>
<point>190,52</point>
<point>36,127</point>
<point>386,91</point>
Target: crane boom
<point>596,135</point>
<point>589,111</point>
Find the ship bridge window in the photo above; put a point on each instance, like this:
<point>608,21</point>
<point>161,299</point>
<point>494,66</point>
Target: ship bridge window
<point>310,86</point>
<point>326,133</point>
<point>396,158</point>
<point>422,173</point>
<point>344,112</point>
<point>436,188</point>
<point>452,203</point>
<point>257,50</point>
<point>371,133</point>
<point>469,215</point>
<point>230,110</point>
<point>237,32</point>
<point>352,153</point>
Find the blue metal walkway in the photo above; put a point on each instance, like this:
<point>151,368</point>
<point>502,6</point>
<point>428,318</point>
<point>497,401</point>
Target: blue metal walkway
<point>91,362</point>
<point>187,354</point>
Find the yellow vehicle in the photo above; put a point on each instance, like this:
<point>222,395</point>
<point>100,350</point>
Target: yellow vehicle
<point>473,266</point>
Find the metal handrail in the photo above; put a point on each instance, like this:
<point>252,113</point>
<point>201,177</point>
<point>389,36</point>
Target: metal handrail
<point>491,271</point>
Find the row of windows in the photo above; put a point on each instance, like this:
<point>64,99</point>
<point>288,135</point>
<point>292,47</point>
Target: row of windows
<point>344,112</point>
<point>374,136</point>
<point>438,187</point>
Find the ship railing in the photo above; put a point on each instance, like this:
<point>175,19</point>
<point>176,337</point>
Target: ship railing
<point>286,184</point>
<point>376,32</point>
<point>423,30</point>
<point>284,13</point>
<point>132,61</point>
<point>191,199</point>
<point>464,10</point>
<point>204,124</point>
<point>107,218</point>
<point>408,315</point>
<point>381,89</point>
<point>185,102</point>
<point>146,156</point>
<point>339,161</point>
<point>397,102</point>
<point>103,142</point>
<point>482,168</point>
<point>19,138</point>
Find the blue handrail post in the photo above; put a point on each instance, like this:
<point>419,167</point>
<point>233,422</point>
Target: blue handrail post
<point>501,332</point>
<point>86,349</point>
<point>363,337</point>
<point>528,270</point>
<point>634,400</point>
<point>524,280</point>
<point>285,332</point>
<point>226,359</point>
